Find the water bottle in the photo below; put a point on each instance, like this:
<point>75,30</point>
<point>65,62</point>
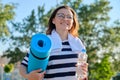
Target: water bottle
<point>82,58</point>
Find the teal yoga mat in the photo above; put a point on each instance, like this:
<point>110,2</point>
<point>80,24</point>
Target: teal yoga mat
<point>40,47</point>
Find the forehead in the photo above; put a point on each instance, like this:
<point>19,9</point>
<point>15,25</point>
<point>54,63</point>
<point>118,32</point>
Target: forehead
<point>65,11</point>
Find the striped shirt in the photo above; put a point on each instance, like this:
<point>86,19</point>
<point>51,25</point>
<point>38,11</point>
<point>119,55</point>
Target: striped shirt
<point>61,64</point>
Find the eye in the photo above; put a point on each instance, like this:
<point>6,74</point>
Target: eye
<point>61,15</point>
<point>69,17</point>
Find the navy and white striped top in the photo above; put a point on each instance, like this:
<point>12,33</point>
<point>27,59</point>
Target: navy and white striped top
<point>61,64</point>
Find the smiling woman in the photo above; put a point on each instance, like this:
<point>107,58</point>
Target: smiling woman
<point>63,33</point>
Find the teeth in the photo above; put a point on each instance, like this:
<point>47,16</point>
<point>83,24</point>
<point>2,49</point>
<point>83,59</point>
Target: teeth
<point>64,23</point>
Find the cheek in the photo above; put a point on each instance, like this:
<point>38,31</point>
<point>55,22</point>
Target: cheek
<point>55,21</point>
<point>71,23</point>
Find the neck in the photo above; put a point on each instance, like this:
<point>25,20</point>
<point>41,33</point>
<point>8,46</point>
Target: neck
<point>63,35</point>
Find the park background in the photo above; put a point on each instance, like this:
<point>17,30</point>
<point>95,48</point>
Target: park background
<point>100,30</point>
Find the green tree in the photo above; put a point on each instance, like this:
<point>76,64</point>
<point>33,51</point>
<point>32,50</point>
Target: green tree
<point>116,54</point>
<point>20,41</point>
<point>98,36</point>
<point>102,69</point>
<point>8,68</point>
<point>15,55</point>
<point>6,14</point>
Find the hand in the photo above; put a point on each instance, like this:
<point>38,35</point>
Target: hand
<point>85,69</point>
<point>35,75</point>
<point>82,70</point>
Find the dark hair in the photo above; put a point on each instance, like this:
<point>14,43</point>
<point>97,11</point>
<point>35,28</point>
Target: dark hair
<point>75,27</point>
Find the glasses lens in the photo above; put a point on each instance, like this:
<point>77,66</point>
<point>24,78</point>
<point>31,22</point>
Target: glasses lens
<point>62,16</point>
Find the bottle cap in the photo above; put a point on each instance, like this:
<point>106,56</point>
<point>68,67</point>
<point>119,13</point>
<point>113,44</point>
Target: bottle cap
<point>83,51</point>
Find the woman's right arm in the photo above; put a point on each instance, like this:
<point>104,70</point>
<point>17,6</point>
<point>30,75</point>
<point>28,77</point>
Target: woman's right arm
<point>34,75</point>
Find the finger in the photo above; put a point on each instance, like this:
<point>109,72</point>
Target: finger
<point>43,72</point>
<point>85,74</point>
<point>85,70</point>
<point>37,71</point>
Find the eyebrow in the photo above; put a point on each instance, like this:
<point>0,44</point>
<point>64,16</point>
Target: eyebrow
<point>64,14</point>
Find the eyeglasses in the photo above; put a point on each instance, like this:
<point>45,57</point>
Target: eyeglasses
<point>63,16</point>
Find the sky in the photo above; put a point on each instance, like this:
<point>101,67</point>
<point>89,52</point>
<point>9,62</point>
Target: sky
<point>25,7</point>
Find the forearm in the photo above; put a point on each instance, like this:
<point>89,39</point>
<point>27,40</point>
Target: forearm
<point>23,71</point>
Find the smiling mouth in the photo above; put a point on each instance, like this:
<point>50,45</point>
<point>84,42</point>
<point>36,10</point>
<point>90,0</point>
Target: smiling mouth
<point>64,24</point>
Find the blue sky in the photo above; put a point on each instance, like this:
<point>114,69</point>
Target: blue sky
<point>25,7</point>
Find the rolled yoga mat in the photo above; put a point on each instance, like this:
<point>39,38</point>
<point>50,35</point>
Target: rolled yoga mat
<point>40,47</point>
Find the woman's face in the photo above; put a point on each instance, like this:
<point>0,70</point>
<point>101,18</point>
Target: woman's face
<point>63,20</point>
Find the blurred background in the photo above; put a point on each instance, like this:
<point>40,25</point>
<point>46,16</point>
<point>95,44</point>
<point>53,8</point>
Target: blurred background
<point>99,29</point>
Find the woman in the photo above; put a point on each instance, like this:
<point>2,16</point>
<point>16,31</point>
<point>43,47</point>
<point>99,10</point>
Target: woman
<point>63,31</point>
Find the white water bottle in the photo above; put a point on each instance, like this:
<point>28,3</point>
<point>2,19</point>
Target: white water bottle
<point>82,58</point>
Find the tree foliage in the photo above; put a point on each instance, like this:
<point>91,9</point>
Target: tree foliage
<point>8,68</point>
<point>21,35</point>
<point>102,70</point>
<point>15,55</point>
<point>100,39</point>
<point>6,14</point>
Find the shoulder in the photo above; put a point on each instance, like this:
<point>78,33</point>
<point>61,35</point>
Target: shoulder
<point>75,39</point>
<point>76,43</point>
<point>80,41</point>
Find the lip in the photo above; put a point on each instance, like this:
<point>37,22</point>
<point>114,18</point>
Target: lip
<point>64,24</point>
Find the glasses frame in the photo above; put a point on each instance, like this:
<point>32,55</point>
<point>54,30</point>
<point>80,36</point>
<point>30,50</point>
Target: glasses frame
<point>63,16</point>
